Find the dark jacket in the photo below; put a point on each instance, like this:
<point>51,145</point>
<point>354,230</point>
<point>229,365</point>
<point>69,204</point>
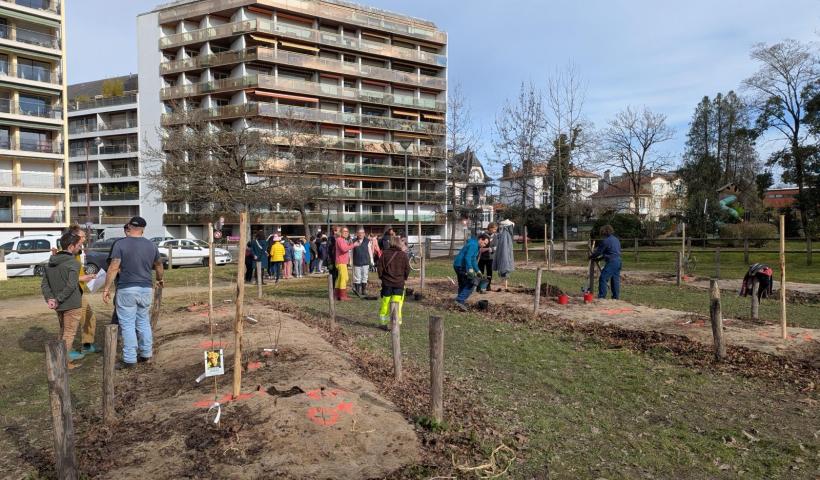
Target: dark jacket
<point>609,248</point>
<point>384,242</point>
<point>61,281</point>
<point>361,254</point>
<point>394,268</point>
<point>288,251</point>
<point>467,256</point>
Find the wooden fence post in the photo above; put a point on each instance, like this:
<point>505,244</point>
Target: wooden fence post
<point>109,359</point>
<point>526,247</point>
<point>636,249</point>
<point>61,415</point>
<point>716,317</point>
<point>428,247</point>
<point>538,274</point>
<point>755,313</point>
<point>331,298</point>
<point>239,321</point>
<point>436,334</point>
<point>422,273</point>
<point>396,339</point>
<point>259,279</point>
<point>783,277</point>
<point>683,239</point>
<point>156,308</point>
<point>746,252</point>
<point>717,263</point>
<point>678,269</point>
<point>546,248</point>
<point>170,257</point>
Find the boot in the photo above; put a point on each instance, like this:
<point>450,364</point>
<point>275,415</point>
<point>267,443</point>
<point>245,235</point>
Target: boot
<point>356,289</point>
<point>343,295</point>
<point>337,292</point>
<point>363,291</point>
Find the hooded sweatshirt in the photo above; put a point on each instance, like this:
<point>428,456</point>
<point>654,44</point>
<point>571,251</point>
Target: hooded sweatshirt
<point>61,281</point>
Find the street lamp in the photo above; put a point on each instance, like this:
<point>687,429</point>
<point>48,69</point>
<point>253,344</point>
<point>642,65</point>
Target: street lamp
<point>405,145</point>
<point>97,142</point>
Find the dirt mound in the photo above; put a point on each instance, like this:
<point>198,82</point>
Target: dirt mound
<point>302,413</point>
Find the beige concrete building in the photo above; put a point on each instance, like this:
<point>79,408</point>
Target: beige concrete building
<point>33,137</point>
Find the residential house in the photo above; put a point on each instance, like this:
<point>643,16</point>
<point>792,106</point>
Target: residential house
<point>582,184</point>
<point>472,200</point>
<point>660,195</point>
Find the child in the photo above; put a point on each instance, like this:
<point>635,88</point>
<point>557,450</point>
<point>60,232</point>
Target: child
<point>61,290</point>
<point>298,258</point>
<point>394,268</point>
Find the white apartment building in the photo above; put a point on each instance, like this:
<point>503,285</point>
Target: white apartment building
<point>33,160</point>
<point>582,184</point>
<point>660,195</point>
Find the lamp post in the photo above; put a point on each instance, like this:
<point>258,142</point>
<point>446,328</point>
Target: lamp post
<point>405,145</point>
<point>88,223</point>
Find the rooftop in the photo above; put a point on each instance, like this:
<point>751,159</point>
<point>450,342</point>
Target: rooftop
<point>94,88</point>
<point>542,169</point>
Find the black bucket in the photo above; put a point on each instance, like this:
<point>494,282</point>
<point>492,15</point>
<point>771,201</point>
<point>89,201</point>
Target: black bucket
<point>483,304</point>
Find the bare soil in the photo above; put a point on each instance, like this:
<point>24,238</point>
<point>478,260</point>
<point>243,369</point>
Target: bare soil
<point>303,411</point>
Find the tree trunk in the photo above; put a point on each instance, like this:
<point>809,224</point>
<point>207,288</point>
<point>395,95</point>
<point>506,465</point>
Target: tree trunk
<point>566,248</point>
<point>452,219</point>
<point>240,299</point>
<point>305,223</point>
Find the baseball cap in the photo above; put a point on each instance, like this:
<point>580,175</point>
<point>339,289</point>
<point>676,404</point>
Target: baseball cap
<point>137,222</point>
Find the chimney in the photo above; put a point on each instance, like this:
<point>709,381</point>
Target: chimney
<point>506,170</point>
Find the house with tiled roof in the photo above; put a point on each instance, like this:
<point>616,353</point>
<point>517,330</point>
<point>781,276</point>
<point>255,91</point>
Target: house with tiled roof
<point>660,195</point>
<point>583,184</point>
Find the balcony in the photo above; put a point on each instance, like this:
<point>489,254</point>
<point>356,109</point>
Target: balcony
<point>406,26</point>
<point>203,218</point>
<point>77,176</point>
<point>299,86</point>
<point>81,129</point>
<point>34,74</point>
<point>31,180</point>
<point>30,109</point>
<point>301,60</point>
<point>384,195</point>
<point>31,37</point>
<point>104,197</point>
<point>80,152</point>
<point>102,102</point>
<point>45,146</point>
<point>299,33</point>
<point>303,114</point>
<point>339,168</point>
<point>32,215</point>
<point>48,5</point>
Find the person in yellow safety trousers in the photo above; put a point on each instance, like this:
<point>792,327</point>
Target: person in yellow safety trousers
<point>343,248</point>
<point>393,269</point>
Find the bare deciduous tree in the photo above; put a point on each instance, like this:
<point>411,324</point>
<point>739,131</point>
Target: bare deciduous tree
<point>629,143</point>
<point>460,138</point>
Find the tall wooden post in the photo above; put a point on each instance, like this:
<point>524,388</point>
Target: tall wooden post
<point>755,313</point>
<point>331,298</point>
<point>537,304</point>
<point>109,359</point>
<point>683,239</point>
<point>170,257</point>
<point>396,339</point>
<point>746,251</point>
<point>716,317</point>
<point>240,300</point>
<point>156,308</point>
<point>259,279</point>
<point>783,329</point>
<point>61,415</point>
<point>428,247</point>
<point>436,335</point>
<point>526,246</point>
<point>717,263</point>
<point>678,269</point>
<point>636,249</point>
<point>422,273</point>
<point>591,275</point>
<point>211,273</point>
<point>546,246</point>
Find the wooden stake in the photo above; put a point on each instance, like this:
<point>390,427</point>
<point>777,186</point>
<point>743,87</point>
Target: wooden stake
<point>636,250</point>
<point>746,251</point>
<point>436,335</point>
<point>783,277</point>
<point>240,300</point>
<point>755,301</point>
<point>156,308</point>
<point>61,415</point>
<point>591,274</point>
<point>170,257</point>
<point>537,303</point>
<point>678,268</point>
<point>210,273</point>
<point>422,274</point>
<point>109,359</point>
<point>259,280</point>
<point>396,339</point>
<point>526,247</point>
<point>546,247</point>
<point>683,239</point>
<point>331,298</point>
<point>717,263</point>
<point>716,317</point>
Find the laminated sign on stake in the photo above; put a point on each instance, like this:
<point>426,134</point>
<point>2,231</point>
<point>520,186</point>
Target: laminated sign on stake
<point>214,363</point>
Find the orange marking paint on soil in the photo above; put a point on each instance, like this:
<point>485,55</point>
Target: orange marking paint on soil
<point>207,402</point>
<point>324,417</point>
<point>254,366</point>
<point>211,344</point>
<point>617,311</point>
<point>346,407</point>
<point>318,395</point>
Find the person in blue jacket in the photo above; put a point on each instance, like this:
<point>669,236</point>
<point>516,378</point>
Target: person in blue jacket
<point>610,250</point>
<point>466,267</point>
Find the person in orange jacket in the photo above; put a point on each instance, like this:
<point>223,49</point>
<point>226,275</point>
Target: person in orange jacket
<point>343,247</point>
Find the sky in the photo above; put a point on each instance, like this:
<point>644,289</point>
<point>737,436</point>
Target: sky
<point>659,54</point>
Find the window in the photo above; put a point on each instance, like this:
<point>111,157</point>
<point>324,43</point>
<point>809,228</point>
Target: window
<point>350,208</point>
<point>6,247</point>
<point>34,141</point>
<point>34,105</point>
<point>5,141</point>
<point>42,245</point>
<point>4,28</point>
<point>33,70</point>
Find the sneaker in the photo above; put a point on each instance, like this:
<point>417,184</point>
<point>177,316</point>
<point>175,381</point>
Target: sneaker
<point>124,366</point>
<point>461,306</point>
<point>91,348</point>
<point>384,327</point>
<point>143,359</point>
<point>75,355</point>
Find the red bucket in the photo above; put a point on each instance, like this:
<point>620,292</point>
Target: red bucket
<point>587,297</point>
<point>563,299</point>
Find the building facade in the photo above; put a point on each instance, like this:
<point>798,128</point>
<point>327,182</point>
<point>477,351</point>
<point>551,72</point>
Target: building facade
<point>33,160</point>
<point>473,202</point>
<point>373,82</point>
<point>780,197</point>
<point>661,194</point>
<point>582,185</point>
<point>104,187</point>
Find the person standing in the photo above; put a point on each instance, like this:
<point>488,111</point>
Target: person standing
<point>277,258</point>
<point>313,248</point>
<point>132,260</point>
<point>361,263</point>
<point>485,258</point>
<point>288,265</point>
<point>331,254</point>
<point>88,321</point>
<point>393,269</point>
<point>342,258</point>
<point>610,250</point>
<point>321,248</point>
<point>375,252</point>
<point>298,258</point>
<point>62,293</point>
<point>466,267</point>
<point>249,262</point>
<point>384,242</point>
<point>260,253</point>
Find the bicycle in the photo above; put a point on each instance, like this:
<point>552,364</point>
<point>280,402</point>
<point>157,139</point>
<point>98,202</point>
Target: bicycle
<point>413,258</point>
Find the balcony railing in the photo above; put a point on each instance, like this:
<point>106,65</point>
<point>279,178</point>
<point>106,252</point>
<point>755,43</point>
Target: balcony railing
<point>293,217</point>
<point>386,195</point>
<point>50,5</point>
<point>300,33</point>
<point>304,114</point>
<point>27,72</point>
<point>102,102</point>
<point>75,152</point>
<point>104,196</point>
<point>78,129</point>
<point>32,146</point>
<point>301,60</point>
<point>31,37</point>
<point>387,148</point>
<point>31,180</point>
<point>77,175</point>
<point>32,110</point>
<point>410,27</point>
<point>30,215</point>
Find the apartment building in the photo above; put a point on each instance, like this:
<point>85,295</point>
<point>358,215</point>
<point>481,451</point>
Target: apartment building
<point>373,82</point>
<point>103,151</point>
<point>33,163</point>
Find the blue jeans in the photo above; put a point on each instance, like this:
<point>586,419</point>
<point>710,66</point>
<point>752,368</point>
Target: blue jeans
<point>465,285</point>
<point>611,273</point>
<point>133,307</point>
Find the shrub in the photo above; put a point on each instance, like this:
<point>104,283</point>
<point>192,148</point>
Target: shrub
<point>757,233</point>
<point>626,225</point>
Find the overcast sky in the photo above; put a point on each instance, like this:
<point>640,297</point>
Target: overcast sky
<point>665,55</point>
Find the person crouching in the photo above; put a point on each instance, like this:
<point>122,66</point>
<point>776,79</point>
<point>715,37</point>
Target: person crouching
<point>393,269</point>
<point>466,267</point>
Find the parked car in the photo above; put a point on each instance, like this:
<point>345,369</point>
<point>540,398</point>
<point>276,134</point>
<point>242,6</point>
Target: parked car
<point>96,256</point>
<point>157,240</point>
<point>29,254</point>
<point>192,252</point>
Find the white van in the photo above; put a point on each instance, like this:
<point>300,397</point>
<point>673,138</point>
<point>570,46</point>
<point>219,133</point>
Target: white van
<point>28,255</point>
